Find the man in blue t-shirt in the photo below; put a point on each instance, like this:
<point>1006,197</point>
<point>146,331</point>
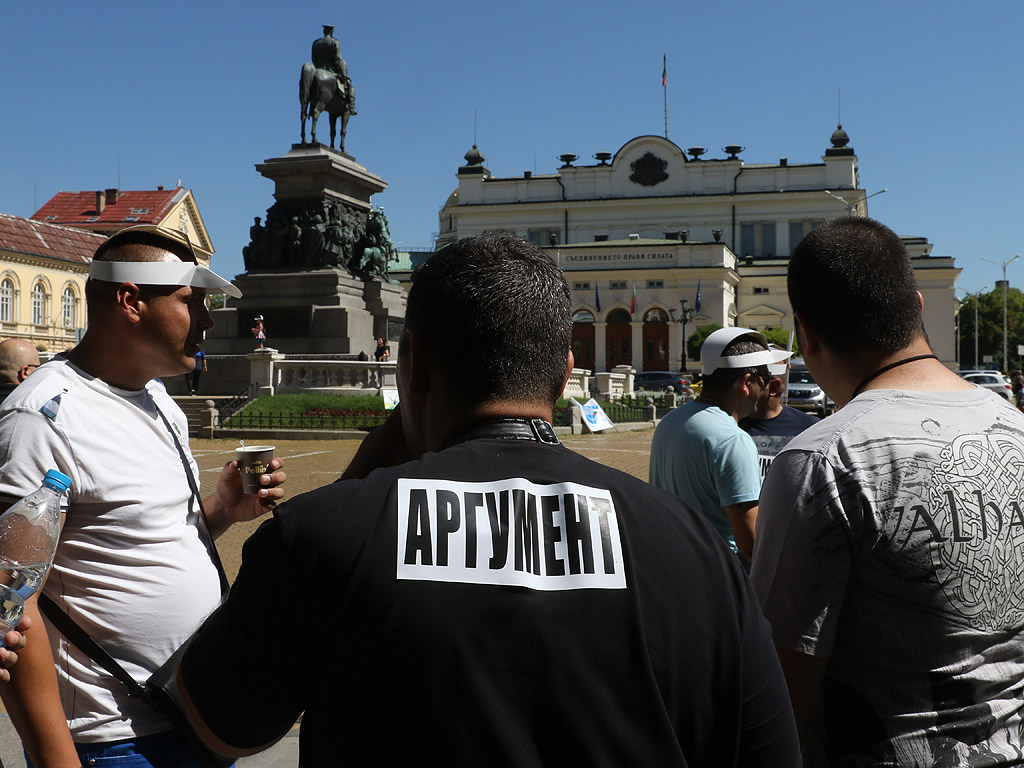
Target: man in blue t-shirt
<point>698,451</point>
<point>772,425</point>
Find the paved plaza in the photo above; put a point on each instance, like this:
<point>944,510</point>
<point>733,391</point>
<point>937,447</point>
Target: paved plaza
<point>314,463</point>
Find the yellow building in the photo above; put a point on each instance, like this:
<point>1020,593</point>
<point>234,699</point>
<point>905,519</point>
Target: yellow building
<point>43,268</point>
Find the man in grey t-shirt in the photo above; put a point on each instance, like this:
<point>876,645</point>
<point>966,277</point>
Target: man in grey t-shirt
<point>890,537</point>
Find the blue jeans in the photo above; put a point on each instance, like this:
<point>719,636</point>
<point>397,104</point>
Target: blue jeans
<point>159,750</point>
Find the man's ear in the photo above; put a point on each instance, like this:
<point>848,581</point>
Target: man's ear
<point>570,364</point>
<point>417,362</point>
<point>128,299</point>
<point>810,343</point>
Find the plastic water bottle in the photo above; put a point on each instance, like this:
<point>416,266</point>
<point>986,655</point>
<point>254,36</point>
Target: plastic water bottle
<point>28,539</point>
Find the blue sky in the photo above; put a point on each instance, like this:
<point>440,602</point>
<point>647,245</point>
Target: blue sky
<point>136,94</point>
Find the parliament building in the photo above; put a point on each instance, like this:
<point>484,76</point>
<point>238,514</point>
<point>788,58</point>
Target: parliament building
<point>656,241</point>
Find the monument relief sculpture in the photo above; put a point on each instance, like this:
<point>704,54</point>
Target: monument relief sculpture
<point>325,86</point>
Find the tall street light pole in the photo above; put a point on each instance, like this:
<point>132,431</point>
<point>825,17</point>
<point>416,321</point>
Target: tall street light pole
<point>975,296</point>
<point>1004,265</point>
<point>851,206</point>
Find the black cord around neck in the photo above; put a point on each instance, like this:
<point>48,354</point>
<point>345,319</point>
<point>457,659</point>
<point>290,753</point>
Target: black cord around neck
<point>872,376</point>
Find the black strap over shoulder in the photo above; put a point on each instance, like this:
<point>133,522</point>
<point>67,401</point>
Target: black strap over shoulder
<point>211,546</point>
<point>533,430</point>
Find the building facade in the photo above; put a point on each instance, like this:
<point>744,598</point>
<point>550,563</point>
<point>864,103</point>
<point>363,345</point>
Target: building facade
<point>43,269</point>
<point>656,241</point>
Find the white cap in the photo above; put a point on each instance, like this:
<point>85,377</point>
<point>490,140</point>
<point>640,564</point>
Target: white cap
<point>711,351</point>
<point>779,369</point>
<point>159,272</point>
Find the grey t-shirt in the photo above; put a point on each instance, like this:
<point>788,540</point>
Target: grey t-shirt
<point>890,538</point>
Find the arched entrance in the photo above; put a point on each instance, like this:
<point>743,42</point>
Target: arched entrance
<point>618,336</point>
<point>583,339</point>
<point>656,340</point>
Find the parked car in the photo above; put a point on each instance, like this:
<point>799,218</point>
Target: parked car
<point>659,381</point>
<point>806,395</point>
<point>993,380</point>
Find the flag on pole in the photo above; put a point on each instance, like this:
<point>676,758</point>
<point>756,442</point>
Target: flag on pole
<point>632,303</point>
<point>696,303</point>
<point>597,298</point>
<point>664,70</point>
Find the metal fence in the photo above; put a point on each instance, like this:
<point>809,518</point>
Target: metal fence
<point>358,420</point>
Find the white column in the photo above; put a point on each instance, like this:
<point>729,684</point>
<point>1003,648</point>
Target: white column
<point>600,347</point>
<point>638,345</point>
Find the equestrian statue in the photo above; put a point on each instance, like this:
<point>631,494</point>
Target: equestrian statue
<point>325,86</point>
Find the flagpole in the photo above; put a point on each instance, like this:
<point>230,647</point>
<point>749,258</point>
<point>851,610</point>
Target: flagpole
<point>664,88</point>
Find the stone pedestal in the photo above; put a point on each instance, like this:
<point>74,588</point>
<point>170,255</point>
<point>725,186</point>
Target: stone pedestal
<point>303,282</point>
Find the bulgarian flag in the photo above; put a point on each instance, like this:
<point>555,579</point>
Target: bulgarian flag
<point>632,303</point>
<point>664,70</point>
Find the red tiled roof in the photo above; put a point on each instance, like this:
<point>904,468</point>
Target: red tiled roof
<point>78,209</point>
<point>38,238</point>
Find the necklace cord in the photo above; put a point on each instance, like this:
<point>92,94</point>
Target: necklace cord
<point>872,376</point>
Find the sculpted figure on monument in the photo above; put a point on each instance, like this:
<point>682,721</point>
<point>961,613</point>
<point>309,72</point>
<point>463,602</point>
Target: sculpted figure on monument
<point>252,254</point>
<point>325,86</point>
<point>378,249</point>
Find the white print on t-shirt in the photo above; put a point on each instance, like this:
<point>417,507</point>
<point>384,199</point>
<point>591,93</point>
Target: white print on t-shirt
<point>509,533</point>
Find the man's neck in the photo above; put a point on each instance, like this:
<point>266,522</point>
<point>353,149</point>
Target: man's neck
<point>108,364</point>
<point>867,372</point>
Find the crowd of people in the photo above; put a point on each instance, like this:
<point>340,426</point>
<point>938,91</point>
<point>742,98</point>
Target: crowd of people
<point>785,591</point>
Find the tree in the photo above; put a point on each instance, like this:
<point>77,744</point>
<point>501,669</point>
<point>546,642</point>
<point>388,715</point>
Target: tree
<point>696,340</point>
<point>990,328</point>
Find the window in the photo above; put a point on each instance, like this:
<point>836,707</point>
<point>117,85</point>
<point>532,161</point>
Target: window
<point>600,238</point>
<point>758,240</point>
<point>617,285</point>
<point>7,301</point>
<point>656,315</point>
<point>543,238</point>
<point>797,231</point>
<point>581,286</point>
<point>38,304</point>
<point>67,308</point>
<point>139,211</point>
<point>582,316</point>
<point>655,283</point>
<point>760,290</point>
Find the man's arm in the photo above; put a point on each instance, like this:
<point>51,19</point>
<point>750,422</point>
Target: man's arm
<point>33,701</point>
<point>803,675</point>
<point>742,518</point>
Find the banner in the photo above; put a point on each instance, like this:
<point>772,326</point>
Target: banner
<point>593,416</point>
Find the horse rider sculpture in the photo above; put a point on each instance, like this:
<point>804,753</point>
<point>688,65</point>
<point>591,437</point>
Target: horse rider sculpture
<point>326,86</point>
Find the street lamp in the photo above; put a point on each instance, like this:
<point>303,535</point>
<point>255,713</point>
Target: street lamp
<point>851,206</point>
<point>686,315</point>
<point>1004,265</point>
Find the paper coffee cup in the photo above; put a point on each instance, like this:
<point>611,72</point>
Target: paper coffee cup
<point>253,461</point>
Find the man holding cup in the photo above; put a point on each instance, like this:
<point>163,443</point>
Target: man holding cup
<point>134,566</point>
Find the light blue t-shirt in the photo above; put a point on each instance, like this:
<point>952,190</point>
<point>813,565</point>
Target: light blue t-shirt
<point>701,455</point>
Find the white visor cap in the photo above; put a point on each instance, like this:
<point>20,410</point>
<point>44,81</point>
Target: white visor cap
<point>779,369</point>
<point>711,358</point>
<point>162,273</point>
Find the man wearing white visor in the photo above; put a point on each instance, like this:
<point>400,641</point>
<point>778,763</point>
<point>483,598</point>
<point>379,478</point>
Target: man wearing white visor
<point>700,454</point>
<point>135,567</point>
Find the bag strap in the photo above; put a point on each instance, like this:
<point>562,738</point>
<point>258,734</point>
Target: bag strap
<point>83,640</point>
<point>208,538</point>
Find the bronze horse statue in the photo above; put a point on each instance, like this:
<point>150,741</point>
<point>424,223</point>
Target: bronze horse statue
<point>321,91</point>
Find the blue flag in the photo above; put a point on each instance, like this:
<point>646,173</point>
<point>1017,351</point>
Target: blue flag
<point>696,303</point>
<point>597,298</point>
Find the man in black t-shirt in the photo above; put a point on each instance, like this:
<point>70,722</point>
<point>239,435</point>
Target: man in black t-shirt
<point>473,593</point>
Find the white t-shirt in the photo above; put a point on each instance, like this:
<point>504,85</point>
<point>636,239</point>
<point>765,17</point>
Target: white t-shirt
<point>131,567</point>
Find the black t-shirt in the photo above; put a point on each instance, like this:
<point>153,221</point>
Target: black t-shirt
<point>499,603</point>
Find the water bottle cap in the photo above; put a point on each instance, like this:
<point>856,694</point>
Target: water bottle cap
<point>58,481</point>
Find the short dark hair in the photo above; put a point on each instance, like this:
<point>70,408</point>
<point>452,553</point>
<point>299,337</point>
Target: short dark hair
<point>722,379</point>
<point>494,310</point>
<point>850,279</point>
